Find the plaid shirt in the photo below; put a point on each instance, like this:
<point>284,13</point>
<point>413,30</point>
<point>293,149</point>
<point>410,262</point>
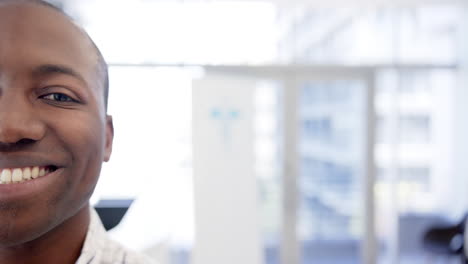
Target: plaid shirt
<point>98,248</point>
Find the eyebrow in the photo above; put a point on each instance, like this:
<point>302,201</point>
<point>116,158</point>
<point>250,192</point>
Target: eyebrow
<point>50,69</point>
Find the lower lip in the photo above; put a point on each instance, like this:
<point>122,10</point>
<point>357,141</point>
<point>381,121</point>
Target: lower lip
<point>13,191</point>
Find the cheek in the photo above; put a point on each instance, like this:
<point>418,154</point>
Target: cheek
<point>83,136</point>
<point>83,139</point>
<point>86,146</point>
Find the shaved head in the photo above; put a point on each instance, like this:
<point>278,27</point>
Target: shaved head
<point>40,2</point>
<point>101,69</point>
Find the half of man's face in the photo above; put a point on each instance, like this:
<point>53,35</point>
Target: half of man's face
<point>53,129</point>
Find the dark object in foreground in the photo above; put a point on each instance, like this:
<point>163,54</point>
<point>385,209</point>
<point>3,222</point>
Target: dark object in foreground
<point>447,240</point>
<point>111,212</point>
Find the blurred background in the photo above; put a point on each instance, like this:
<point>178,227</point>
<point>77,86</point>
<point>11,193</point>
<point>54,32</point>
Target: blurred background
<point>284,131</point>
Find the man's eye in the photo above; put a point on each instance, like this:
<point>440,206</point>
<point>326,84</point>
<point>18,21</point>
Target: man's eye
<point>58,97</point>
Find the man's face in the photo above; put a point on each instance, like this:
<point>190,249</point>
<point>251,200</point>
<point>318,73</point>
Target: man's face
<point>52,117</point>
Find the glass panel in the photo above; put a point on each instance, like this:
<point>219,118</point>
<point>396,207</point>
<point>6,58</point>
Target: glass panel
<point>415,185</point>
<point>268,166</point>
<point>150,120</point>
<point>332,115</point>
<point>151,161</point>
<point>210,32</point>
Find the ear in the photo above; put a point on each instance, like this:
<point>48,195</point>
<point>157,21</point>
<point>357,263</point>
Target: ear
<point>109,138</point>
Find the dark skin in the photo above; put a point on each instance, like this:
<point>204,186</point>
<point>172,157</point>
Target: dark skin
<point>52,113</point>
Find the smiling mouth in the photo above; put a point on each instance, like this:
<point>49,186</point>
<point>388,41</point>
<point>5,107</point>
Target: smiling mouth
<point>19,175</point>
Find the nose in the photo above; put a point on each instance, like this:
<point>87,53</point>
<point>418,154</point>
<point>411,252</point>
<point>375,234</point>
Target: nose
<point>18,121</point>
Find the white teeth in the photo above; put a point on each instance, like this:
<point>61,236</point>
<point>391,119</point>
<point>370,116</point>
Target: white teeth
<point>17,175</point>
<point>35,172</point>
<point>5,177</point>
<point>42,172</point>
<point>27,174</point>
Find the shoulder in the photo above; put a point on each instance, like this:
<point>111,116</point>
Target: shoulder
<point>98,248</point>
<point>113,252</point>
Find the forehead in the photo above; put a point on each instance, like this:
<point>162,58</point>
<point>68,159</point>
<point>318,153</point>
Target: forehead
<point>32,35</point>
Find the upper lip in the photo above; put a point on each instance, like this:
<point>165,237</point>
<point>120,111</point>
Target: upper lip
<point>22,161</point>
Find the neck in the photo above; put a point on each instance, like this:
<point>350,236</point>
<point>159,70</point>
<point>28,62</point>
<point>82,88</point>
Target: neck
<point>61,245</point>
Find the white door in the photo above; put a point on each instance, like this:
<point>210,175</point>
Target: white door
<point>226,208</point>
